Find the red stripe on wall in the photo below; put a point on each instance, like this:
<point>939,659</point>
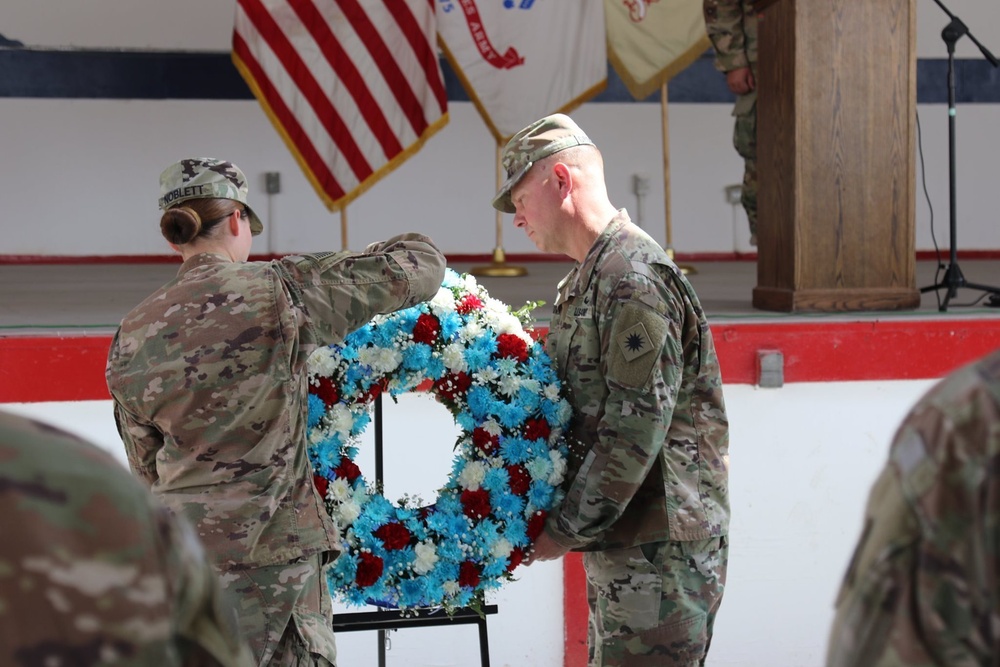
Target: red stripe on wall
<point>72,368</point>
<point>575,611</point>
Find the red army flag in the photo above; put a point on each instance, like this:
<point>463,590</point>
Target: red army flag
<point>520,60</point>
<point>354,87</point>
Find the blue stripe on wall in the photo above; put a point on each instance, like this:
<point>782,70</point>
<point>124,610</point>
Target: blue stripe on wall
<point>212,76</point>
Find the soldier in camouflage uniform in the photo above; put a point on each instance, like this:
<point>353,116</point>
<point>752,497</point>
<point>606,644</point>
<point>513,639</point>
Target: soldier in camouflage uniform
<point>93,571</point>
<point>732,28</point>
<point>921,589</point>
<point>209,382</point>
<point>647,497</point>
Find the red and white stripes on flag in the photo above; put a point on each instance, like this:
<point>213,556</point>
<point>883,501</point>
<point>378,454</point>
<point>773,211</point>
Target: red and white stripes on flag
<point>354,87</point>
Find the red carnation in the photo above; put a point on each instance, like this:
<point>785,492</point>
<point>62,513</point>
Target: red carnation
<point>426,329</point>
<point>452,385</point>
<point>509,345</point>
<point>516,556</point>
<point>321,484</point>
<point>369,569</point>
<point>485,441</point>
<point>393,535</point>
<point>468,574</point>
<point>536,525</point>
<point>347,470</point>
<point>536,429</point>
<point>520,480</point>
<point>468,303</point>
<point>476,504</point>
<point>374,391</point>
<point>327,391</point>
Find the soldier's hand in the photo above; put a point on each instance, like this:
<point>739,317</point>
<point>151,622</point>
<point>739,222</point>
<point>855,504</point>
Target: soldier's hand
<point>740,81</point>
<point>545,548</point>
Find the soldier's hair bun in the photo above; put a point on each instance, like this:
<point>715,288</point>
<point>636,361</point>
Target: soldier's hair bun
<point>180,225</point>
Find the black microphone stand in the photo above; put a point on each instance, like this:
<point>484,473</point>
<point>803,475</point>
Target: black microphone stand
<point>953,278</point>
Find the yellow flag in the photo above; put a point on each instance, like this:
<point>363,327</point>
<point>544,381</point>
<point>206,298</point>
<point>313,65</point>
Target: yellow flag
<point>649,41</point>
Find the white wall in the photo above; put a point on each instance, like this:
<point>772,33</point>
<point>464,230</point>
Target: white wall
<point>79,177</point>
<point>803,458</point>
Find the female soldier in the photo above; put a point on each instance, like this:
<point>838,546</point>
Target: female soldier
<point>209,382</point>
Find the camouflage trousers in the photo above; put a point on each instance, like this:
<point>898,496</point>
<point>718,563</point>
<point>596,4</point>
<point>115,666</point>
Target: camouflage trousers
<point>285,612</point>
<point>654,605</point>
<point>745,142</point>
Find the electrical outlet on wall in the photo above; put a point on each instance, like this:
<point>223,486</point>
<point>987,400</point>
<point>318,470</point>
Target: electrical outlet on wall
<point>733,193</point>
<point>272,182</point>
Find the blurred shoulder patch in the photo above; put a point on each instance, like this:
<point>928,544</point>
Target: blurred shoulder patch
<point>637,339</point>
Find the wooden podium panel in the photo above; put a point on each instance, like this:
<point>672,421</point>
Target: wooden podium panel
<point>835,155</point>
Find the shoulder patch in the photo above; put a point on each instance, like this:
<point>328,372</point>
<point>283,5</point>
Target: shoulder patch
<point>637,339</point>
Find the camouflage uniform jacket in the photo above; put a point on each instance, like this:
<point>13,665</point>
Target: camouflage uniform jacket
<point>922,589</point>
<point>732,29</point>
<point>94,571</point>
<point>209,381</point>
<point>635,354</point>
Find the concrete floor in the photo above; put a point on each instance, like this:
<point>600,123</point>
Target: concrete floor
<point>79,299</point>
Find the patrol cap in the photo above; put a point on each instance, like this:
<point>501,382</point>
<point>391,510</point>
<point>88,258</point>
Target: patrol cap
<point>537,141</point>
<point>206,178</point>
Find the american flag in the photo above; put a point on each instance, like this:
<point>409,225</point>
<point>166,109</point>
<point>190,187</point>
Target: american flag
<point>354,87</point>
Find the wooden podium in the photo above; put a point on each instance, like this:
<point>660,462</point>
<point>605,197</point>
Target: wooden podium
<point>836,131</point>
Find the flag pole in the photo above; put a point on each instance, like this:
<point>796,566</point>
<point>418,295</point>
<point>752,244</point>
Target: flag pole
<point>343,228</point>
<point>665,127</point>
<point>499,268</point>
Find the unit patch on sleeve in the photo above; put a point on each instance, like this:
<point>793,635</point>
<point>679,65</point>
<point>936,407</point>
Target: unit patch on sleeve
<point>636,342</point>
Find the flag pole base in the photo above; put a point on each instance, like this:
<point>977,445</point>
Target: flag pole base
<point>499,268</point>
<point>685,268</point>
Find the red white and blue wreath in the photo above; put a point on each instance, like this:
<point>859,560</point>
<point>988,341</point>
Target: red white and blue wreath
<point>510,458</point>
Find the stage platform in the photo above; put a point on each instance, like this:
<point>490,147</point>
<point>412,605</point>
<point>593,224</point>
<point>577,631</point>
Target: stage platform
<point>58,318</point>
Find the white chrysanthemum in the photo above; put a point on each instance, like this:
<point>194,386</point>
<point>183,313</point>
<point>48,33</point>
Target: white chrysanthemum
<point>341,420</point>
<point>509,385</point>
<point>470,285</point>
<point>551,392</point>
<point>451,587</point>
<point>486,375</point>
<point>472,475</point>
<point>383,360</point>
<point>558,473</point>
<point>471,331</point>
<point>502,548</point>
<point>539,468</point>
<point>426,557</point>
<point>443,301</point>
<point>453,357</point>
<point>492,427</point>
<point>339,490</point>
<point>322,362</point>
<point>349,513</point>
<point>534,386</point>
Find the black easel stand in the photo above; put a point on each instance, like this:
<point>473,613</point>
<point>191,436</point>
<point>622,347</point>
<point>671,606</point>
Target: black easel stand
<point>953,278</point>
<point>384,620</point>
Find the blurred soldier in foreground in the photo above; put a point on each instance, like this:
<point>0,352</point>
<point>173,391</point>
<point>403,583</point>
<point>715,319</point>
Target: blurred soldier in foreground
<point>922,588</point>
<point>647,496</point>
<point>93,571</point>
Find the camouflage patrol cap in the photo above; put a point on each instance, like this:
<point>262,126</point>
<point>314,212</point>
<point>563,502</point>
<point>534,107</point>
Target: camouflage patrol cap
<point>206,178</point>
<point>537,141</point>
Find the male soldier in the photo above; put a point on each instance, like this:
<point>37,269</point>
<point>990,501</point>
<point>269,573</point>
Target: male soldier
<point>732,28</point>
<point>92,570</point>
<point>210,387</point>
<point>921,589</point>
<point>647,495</point>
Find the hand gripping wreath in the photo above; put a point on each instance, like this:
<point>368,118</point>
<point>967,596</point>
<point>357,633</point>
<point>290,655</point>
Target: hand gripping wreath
<point>510,456</point>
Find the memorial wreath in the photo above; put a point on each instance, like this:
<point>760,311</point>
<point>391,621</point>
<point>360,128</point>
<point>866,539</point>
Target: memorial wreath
<point>476,357</point>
